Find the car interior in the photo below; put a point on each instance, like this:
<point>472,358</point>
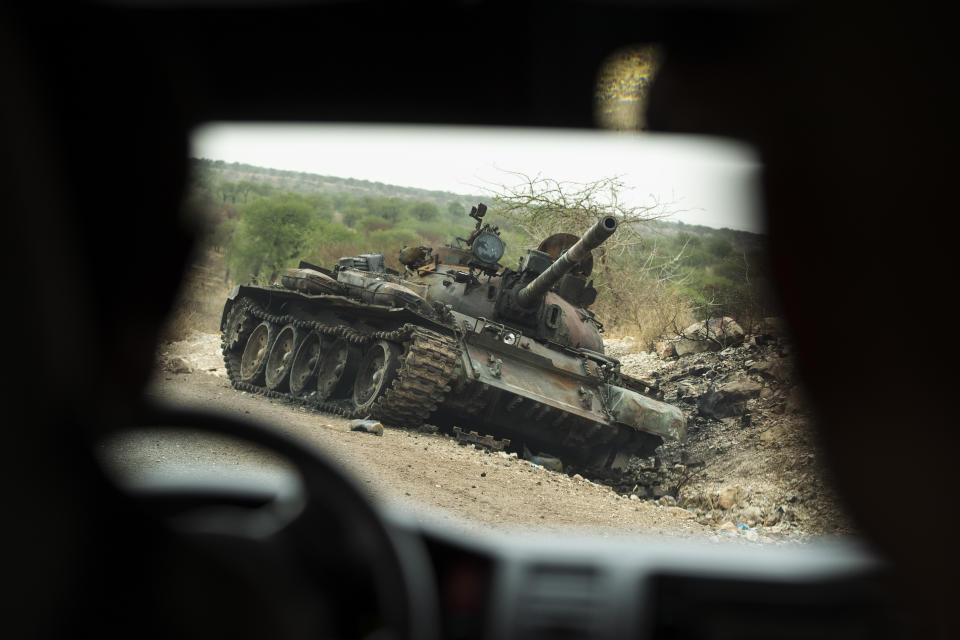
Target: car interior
<point>850,107</point>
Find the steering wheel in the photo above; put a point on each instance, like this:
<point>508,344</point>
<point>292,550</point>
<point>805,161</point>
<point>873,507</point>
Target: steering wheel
<point>320,551</point>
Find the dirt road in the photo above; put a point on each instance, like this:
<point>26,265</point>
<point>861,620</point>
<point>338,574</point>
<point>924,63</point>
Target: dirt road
<point>427,474</point>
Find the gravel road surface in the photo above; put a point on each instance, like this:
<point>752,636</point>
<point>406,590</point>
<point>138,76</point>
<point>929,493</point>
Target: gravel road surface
<point>429,475</point>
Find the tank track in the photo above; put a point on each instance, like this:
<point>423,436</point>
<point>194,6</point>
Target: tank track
<point>423,379</point>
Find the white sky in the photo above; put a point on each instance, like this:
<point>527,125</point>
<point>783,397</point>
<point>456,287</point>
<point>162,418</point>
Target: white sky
<point>709,181</point>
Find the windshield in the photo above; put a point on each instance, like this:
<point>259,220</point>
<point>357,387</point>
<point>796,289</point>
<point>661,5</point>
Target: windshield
<point>688,328</point>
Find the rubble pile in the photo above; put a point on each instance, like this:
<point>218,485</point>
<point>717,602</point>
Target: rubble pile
<point>750,462</point>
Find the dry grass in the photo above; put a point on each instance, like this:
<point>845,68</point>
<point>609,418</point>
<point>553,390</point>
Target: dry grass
<point>200,301</point>
<point>648,312</point>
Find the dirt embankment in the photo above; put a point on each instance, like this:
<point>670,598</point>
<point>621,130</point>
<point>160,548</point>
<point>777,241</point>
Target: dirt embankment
<point>751,455</point>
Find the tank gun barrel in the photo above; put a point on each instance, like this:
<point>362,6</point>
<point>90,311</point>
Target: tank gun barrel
<point>531,294</point>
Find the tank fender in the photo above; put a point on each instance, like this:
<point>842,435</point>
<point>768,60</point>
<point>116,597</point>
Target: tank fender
<point>228,305</point>
<point>645,414</point>
<point>374,290</point>
<point>310,281</point>
<point>395,295</point>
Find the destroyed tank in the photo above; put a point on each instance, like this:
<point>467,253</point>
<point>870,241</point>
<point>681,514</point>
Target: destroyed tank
<point>506,357</point>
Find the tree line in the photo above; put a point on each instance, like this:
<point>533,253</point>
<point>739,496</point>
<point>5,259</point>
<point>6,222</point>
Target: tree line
<point>654,276</point>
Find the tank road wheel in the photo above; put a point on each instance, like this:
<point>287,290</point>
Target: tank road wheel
<point>254,359</point>
<point>376,372</point>
<point>303,369</point>
<point>277,373</point>
<point>239,325</point>
<point>338,364</point>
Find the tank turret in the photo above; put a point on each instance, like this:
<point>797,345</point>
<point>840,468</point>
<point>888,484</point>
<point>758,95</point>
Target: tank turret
<point>457,338</point>
<point>530,295</point>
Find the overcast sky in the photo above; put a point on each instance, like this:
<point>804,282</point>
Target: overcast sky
<point>709,181</point>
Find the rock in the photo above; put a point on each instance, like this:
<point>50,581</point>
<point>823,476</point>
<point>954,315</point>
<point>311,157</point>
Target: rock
<point>727,497</point>
<point>367,426</point>
<point>753,515</point>
<point>547,461</point>
<point>666,350</point>
<point>668,501</point>
<point>773,517</point>
<point>428,429</point>
<point>687,347</point>
<point>688,389</point>
<point>648,381</point>
<point>776,369</point>
<point>773,434</point>
<point>177,364</point>
<point>796,402</point>
<point>709,335</point>
<point>633,496</point>
<point>577,477</point>
<point>728,400</point>
<point>728,526</point>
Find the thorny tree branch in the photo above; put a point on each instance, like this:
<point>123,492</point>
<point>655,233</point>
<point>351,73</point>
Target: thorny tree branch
<point>543,206</point>
<point>637,287</point>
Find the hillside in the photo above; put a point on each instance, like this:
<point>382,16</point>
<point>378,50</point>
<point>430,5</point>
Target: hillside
<point>311,183</point>
<point>307,183</point>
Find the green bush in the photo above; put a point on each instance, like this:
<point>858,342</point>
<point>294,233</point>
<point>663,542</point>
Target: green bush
<point>424,211</point>
<point>370,224</point>
<point>271,235</point>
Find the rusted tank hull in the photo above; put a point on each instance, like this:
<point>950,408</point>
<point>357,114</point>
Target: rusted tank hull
<point>562,401</point>
<point>555,401</point>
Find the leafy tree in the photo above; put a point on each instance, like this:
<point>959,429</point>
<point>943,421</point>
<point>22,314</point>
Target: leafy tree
<point>371,223</point>
<point>321,204</point>
<point>455,209</point>
<point>263,189</point>
<point>424,211</point>
<point>688,239</point>
<point>720,247</point>
<point>390,241</point>
<point>352,213</point>
<point>385,208</point>
<point>270,236</point>
<point>223,233</point>
<point>244,188</point>
<point>228,192</point>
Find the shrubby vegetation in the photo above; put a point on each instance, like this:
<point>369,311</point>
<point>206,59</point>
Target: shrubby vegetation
<point>654,276</point>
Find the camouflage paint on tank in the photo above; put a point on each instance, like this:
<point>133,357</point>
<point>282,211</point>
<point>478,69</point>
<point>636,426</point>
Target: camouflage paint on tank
<point>515,351</point>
